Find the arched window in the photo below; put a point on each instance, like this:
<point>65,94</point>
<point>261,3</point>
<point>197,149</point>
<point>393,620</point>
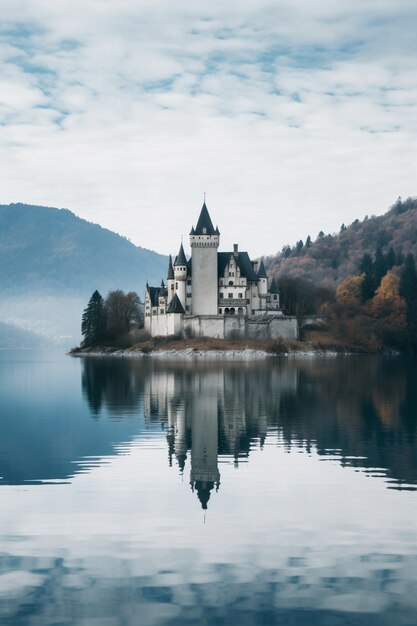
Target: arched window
<point>240,311</point>
<point>227,311</point>
<point>232,310</point>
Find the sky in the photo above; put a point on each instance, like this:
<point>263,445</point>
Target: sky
<point>292,116</point>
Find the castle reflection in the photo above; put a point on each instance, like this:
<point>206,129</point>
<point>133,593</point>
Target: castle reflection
<point>210,410</point>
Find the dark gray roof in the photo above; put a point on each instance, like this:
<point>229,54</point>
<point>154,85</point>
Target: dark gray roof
<point>175,305</point>
<point>274,287</point>
<point>243,261</point>
<point>181,259</point>
<point>204,224</point>
<point>261,271</point>
<point>154,293</point>
<point>170,269</point>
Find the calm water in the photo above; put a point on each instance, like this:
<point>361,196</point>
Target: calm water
<point>150,493</point>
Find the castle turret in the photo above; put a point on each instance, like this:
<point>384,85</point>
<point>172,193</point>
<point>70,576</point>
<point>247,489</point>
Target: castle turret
<point>204,242</point>
<point>170,280</point>
<point>180,276</point>
<point>274,295</point>
<point>262,285</point>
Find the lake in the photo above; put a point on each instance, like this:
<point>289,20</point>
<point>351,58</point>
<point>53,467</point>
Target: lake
<point>143,492</point>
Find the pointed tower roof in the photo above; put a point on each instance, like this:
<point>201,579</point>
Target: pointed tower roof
<point>175,305</point>
<point>204,224</point>
<point>261,271</point>
<point>170,269</point>
<point>274,287</point>
<point>181,260</point>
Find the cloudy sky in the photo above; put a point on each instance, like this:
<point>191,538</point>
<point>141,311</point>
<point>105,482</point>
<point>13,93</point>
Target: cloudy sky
<point>293,116</point>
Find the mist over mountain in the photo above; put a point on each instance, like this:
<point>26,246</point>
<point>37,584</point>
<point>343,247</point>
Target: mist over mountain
<point>51,261</point>
<point>329,258</point>
<point>12,338</point>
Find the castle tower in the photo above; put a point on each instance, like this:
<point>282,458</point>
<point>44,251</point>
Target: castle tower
<point>262,286</point>
<point>170,280</point>
<point>204,241</point>
<point>180,277</point>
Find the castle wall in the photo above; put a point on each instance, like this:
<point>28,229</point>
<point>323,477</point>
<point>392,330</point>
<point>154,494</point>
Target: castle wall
<point>205,281</point>
<point>164,325</point>
<point>239,327</point>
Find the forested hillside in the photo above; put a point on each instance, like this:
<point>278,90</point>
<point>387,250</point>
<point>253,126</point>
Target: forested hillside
<point>51,261</point>
<point>328,259</point>
<point>47,249</point>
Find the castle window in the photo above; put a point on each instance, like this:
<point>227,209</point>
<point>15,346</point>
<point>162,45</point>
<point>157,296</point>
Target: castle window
<point>241,295</point>
<point>188,282</point>
<point>188,295</point>
<point>176,285</point>
<point>187,308</point>
<point>230,282</point>
<point>275,297</point>
<point>230,295</point>
<point>222,295</point>
<point>204,231</point>
<point>240,311</point>
<point>172,287</point>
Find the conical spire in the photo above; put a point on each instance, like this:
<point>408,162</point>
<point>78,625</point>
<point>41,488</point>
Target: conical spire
<point>181,260</point>
<point>204,224</point>
<point>261,271</point>
<point>274,287</point>
<point>170,269</point>
<point>175,305</point>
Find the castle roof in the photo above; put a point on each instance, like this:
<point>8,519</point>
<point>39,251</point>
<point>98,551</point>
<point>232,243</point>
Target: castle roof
<point>274,287</point>
<point>175,305</point>
<point>261,271</point>
<point>204,224</point>
<point>154,293</point>
<point>243,261</point>
<point>181,259</point>
<point>170,269</point>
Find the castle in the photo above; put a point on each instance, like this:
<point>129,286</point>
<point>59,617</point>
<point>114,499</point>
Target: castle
<point>216,294</point>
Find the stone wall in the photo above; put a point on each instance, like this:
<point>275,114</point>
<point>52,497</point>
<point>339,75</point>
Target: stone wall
<point>239,327</point>
<point>164,325</point>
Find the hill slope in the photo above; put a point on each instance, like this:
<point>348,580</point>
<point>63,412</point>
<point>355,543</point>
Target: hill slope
<point>51,261</point>
<point>330,258</point>
<point>47,249</point>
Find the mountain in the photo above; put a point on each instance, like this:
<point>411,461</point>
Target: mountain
<point>12,337</point>
<point>330,258</point>
<point>51,261</point>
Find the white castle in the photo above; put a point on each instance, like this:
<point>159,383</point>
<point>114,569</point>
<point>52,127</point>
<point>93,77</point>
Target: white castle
<point>216,294</point>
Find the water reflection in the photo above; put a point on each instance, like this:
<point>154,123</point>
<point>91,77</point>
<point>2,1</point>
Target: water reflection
<point>360,411</point>
<point>297,534</point>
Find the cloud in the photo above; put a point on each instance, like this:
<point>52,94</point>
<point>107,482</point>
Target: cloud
<point>293,117</point>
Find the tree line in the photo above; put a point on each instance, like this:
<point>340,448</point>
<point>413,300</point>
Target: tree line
<point>110,318</point>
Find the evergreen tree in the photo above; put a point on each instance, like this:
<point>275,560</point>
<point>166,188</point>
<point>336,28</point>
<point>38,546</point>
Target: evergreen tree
<point>408,291</point>
<point>368,285</point>
<point>93,320</point>
<point>390,259</point>
<point>380,267</point>
<point>299,247</point>
<point>308,242</point>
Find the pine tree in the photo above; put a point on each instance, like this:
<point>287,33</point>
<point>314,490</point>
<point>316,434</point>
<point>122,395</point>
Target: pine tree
<point>93,320</point>
<point>380,267</point>
<point>308,242</point>
<point>390,259</point>
<point>408,291</point>
<point>368,285</point>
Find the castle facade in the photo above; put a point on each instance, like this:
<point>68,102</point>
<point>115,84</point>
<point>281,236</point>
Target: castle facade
<point>215,294</point>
